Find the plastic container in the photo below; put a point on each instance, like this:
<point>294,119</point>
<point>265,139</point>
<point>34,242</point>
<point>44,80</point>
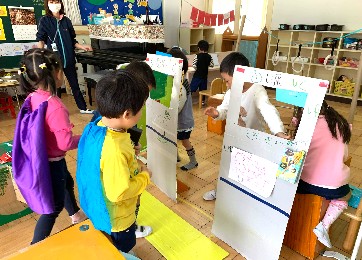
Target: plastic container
<point>356,196</point>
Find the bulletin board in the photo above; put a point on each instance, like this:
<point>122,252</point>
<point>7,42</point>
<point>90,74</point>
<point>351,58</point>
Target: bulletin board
<point>120,7</point>
<point>8,40</point>
<point>253,204</point>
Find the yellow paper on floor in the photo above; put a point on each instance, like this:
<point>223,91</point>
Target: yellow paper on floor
<point>172,236</point>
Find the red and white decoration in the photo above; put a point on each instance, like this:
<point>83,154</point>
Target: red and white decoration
<point>201,17</point>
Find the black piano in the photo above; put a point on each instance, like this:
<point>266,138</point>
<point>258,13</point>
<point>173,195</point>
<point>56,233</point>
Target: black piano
<point>109,54</point>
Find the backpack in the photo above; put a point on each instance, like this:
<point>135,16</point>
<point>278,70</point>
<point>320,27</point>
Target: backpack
<point>30,159</point>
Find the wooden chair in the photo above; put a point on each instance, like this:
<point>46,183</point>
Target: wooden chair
<point>7,104</point>
<point>215,88</point>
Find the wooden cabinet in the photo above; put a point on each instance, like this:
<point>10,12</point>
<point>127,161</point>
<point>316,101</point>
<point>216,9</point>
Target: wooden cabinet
<point>189,37</point>
<point>289,41</point>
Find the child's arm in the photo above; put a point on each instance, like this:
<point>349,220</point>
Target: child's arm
<point>211,63</point>
<point>117,183</point>
<point>194,62</point>
<point>269,112</point>
<point>222,109</point>
<point>61,126</point>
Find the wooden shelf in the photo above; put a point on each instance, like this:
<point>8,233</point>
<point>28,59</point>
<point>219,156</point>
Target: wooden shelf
<point>189,37</point>
<point>311,69</point>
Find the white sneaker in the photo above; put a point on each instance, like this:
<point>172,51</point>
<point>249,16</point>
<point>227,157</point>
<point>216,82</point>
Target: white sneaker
<point>210,195</point>
<point>143,231</point>
<point>322,234</point>
<point>87,111</point>
<point>78,217</point>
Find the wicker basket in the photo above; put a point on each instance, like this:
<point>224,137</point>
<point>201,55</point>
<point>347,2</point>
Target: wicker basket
<point>344,88</point>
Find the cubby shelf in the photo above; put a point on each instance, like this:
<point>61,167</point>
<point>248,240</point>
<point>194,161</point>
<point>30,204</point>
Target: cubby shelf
<point>289,41</point>
<point>189,37</point>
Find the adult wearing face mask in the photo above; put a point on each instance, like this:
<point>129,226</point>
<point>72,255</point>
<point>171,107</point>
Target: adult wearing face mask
<point>56,31</point>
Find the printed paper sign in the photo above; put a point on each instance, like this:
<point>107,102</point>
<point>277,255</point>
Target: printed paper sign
<point>252,171</point>
<point>291,165</point>
<point>25,32</point>
<point>3,11</point>
<point>2,32</point>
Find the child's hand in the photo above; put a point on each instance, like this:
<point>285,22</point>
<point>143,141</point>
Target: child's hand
<point>282,135</point>
<point>145,169</point>
<point>211,111</point>
<point>137,148</point>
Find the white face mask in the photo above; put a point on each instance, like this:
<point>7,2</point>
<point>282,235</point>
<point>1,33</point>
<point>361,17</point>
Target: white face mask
<point>55,8</point>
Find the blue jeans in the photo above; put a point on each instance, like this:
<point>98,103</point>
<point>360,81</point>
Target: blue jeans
<point>63,191</point>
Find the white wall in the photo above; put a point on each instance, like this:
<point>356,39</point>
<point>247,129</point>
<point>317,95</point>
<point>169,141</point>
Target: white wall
<point>346,12</point>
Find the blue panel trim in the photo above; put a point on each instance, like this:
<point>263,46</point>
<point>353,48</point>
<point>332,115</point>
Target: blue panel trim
<point>162,136</point>
<point>255,197</point>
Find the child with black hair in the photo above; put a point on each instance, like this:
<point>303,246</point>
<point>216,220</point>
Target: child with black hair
<point>255,107</point>
<point>324,172</point>
<point>201,63</point>
<point>41,74</point>
<point>185,115</point>
<point>109,177</point>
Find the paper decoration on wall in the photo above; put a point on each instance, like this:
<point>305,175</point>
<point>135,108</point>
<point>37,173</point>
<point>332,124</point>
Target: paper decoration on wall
<point>252,171</point>
<point>154,4</point>
<point>38,3</point>
<point>291,165</point>
<point>207,19</point>
<point>2,31</point>
<point>16,49</point>
<point>132,8</point>
<point>3,11</point>
<point>23,23</point>
<point>201,17</point>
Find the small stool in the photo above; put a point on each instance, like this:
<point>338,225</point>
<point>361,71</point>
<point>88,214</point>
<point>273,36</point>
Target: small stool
<point>6,103</point>
<point>308,210</point>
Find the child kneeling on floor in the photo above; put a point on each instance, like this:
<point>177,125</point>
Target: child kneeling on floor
<point>108,175</point>
<point>324,172</point>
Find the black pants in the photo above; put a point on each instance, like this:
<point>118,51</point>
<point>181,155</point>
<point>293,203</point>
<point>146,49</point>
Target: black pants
<point>71,74</point>
<point>63,191</point>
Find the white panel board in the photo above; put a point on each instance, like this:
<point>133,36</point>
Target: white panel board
<point>252,224</point>
<point>161,130</point>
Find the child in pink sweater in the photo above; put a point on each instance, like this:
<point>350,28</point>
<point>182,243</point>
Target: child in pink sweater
<point>41,74</point>
<point>324,172</point>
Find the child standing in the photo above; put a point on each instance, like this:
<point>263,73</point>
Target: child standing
<point>41,74</point>
<point>108,175</point>
<point>324,172</point>
<point>185,115</point>
<point>201,63</point>
<point>255,107</point>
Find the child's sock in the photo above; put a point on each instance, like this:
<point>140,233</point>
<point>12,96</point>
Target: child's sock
<point>334,210</point>
<point>193,163</point>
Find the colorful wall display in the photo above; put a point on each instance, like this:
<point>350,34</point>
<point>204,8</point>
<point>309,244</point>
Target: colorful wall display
<point>120,8</point>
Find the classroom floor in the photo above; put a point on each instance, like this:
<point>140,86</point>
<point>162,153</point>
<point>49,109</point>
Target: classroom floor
<point>17,235</point>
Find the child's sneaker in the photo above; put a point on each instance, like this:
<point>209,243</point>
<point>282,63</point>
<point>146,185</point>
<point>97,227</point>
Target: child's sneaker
<point>143,231</point>
<point>210,195</point>
<point>78,217</point>
<point>322,234</point>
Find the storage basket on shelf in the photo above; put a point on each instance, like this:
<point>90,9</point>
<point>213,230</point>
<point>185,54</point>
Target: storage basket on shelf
<point>344,88</point>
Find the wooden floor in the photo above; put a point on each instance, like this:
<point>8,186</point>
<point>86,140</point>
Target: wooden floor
<point>191,207</point>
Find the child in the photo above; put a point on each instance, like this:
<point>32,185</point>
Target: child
<point>185,115</point>
<point>41,74</point>
<point>143,70</point>
<point>201,63</point>
<point>324,172</point>
<point>255,106</point>
<point>108,175</point>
